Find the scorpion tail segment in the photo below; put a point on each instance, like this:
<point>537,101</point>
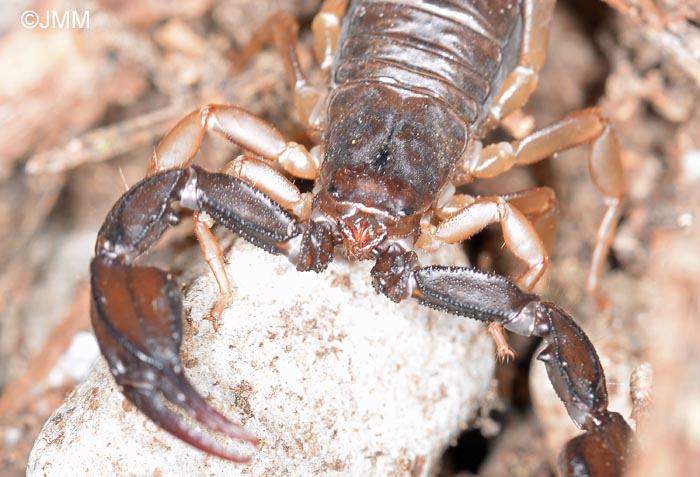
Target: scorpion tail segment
<point>242,209</point>
<point>137,316</point>
<point>599,453</point>
<point>572,365</point>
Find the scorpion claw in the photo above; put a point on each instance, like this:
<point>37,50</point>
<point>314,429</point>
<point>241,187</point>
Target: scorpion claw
<point>571,361</point>
<point>573,366</point>
<point>137,316</point>
<point>176,389</point>
<point>601,452</point>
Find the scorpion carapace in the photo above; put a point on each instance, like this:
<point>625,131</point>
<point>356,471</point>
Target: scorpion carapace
<point>398,130</point>
<point>377,146</point>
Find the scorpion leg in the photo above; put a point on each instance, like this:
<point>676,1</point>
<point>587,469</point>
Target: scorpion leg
<point>308,99</point>
<point>214,256</point>
<point>326,29</point>
<point>136,311</point>
<point>269,180</point>
<point>538,204</point>
<point>584,126</point>
<point>180,146</point>
<point>522,81</point>
<point>520,237</point>
<point>519,234</point>
<point>570,358</point>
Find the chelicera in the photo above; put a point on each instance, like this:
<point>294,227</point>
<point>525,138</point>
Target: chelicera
<point>413,86</point>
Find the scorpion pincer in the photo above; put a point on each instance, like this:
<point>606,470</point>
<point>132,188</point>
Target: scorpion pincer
<point>413,85</point>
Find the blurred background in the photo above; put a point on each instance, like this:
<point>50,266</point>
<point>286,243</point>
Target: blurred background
<point>84,99</point>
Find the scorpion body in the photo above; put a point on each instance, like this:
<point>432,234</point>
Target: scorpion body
<point>456,52</point>
<point>410,84</point>
<point>414,85</point>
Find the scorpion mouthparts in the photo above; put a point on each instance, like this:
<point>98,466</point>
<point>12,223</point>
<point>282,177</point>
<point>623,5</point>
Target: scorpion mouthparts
<point>176,389</point>
<point>362,231</point>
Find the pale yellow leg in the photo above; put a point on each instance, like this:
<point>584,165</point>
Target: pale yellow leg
<point>541,208</point>
<point>605,165</point>
<point>215,259</point>
<point>326,28</point>
<point>538,204</point>
<point>519,234</point>
<point>522,81</point>
<point>273,183</point>
<point>308,99</point>
<point>180,146</point>
<point>503,349</point>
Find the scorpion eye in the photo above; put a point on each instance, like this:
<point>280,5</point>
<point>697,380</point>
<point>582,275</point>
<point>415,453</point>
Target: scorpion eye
<point>333,190</point>
<point>404,210</point>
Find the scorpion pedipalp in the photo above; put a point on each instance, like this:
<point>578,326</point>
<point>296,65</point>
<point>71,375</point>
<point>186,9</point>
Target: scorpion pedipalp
<point>137,316</point>
<point>137,311</point>
<point>601,451</point>
<point>572,363</point>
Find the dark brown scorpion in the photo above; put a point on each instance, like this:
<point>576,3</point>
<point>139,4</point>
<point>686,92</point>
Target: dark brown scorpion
<point>414,84</point>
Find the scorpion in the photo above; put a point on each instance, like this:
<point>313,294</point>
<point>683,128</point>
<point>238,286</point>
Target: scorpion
<point>413,85</point>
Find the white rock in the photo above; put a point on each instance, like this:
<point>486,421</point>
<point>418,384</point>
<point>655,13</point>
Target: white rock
<point>333,378</point>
